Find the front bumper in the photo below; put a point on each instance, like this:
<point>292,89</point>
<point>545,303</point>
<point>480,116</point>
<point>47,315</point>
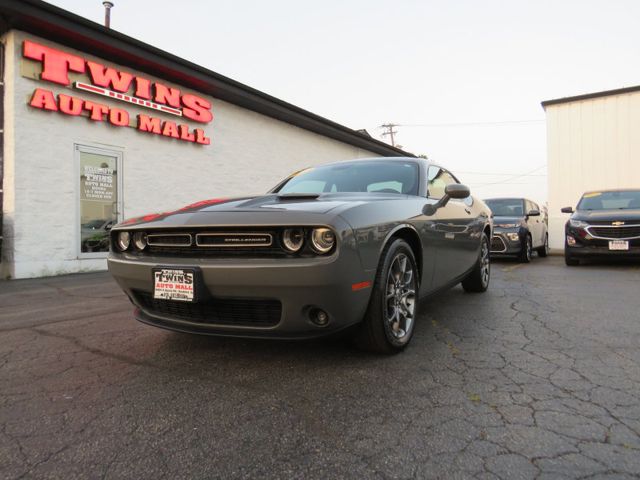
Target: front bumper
<point>587,246</point>
<point>501,244</point>
<point>233,294</point>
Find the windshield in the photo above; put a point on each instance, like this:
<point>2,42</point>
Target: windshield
<point>376,176</point>
<point>506,207</point>
<point>623,200</point>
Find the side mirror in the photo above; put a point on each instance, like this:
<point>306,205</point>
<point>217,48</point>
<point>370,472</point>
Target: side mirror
<point>454,190</point>
<point>457,190</point>
<point>567,210</point>
<point>533,213</point>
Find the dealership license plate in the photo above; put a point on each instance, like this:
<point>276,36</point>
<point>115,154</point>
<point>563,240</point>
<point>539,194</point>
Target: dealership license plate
<point>174,284</point>
<point>618,245</point>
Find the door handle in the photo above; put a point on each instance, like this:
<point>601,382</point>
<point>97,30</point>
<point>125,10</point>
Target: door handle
<point>468,211</point>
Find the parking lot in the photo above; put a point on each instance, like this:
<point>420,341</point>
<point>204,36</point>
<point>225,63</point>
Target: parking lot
<point>537,378</point>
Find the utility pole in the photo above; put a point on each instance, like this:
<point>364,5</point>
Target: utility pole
<point>390,132</point>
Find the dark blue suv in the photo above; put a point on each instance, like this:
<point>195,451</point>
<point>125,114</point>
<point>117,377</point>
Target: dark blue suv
<point>520,227</point>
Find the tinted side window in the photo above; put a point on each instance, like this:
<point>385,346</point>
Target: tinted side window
<point>438,178</point>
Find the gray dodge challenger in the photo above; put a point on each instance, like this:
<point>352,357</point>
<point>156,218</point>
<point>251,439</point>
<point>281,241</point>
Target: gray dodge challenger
<point>352,244</point>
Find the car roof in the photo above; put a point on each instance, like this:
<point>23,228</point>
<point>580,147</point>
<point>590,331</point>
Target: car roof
<point>507,198</point>
<point>374,159</point>
<point>612,190</point>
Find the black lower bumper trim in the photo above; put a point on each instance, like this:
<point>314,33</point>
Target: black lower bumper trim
<point>215,311</point>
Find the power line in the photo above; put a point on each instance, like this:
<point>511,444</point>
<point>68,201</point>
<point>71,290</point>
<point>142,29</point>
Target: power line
<point>505,180</point>
<point>495,174</point>
<point>470,124</point>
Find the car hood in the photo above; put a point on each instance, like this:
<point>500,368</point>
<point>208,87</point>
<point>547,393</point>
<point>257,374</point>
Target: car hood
<point>267,209</point>
<point>607,216</point>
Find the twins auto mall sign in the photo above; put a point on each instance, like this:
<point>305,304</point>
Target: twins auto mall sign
<point>117,85</point>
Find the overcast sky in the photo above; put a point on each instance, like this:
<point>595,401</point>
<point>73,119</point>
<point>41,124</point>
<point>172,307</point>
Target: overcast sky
<point>445,69</point>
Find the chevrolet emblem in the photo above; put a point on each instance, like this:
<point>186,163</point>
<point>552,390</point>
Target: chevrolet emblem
<point>617,223</point>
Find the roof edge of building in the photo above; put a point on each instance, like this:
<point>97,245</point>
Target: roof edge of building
<point>589,96</point>
<point>48,21</point>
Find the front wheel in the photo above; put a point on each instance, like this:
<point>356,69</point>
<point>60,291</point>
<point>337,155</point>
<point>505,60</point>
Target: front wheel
<point>478,280</point>
<point>390,318</point>
<point>526,251</point>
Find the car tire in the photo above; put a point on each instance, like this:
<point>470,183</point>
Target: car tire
<point>389,322</point>
<point>478,279</point>
<point>569,260</point>
<point>543,251</point>
<point>526,251</point>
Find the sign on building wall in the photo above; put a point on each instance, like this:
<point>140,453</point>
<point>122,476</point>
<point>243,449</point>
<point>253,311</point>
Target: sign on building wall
<point>125,87</point>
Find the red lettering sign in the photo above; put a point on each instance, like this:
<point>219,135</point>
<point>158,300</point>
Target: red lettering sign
<point>196,108</point>
<point>115,84</point>
<point>170,129</point>
<point>97,110</point>
<point>55,64</point>
<point>109,77</point>
<point>149,124</point>
<point>118,117</point>
<point>44,99</point>
<point>70,105</point>
<point>143,88</point>
<point>185,134</point>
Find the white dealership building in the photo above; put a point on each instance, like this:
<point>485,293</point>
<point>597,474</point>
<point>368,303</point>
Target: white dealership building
<point>593,143</point>
<point>98,127</point>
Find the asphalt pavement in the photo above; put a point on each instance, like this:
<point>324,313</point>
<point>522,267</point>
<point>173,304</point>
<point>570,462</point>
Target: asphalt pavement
<point>537,378</point>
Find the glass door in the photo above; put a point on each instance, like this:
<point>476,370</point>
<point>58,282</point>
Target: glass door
<point>100,198</point>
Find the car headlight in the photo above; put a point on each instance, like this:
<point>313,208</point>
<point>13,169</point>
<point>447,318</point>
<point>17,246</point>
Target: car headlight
<point>507,225</point>
<point>293,239</point>
<point>513,236</point>
<point>578,223</point>
<point>123,240</point>
<point>140,240</point>
<point>322,239</point>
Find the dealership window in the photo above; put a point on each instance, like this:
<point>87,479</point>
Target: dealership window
<point>100,198</point>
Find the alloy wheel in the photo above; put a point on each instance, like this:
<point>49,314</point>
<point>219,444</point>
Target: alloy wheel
<point>485,264</point>
<point>400,299</point>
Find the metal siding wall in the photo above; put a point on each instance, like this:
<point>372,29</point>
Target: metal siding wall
<point>591,144</point>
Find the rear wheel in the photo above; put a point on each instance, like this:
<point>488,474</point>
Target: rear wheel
<point>478,279</point>
<point>527,249</point>
<point>543,251</point>
<point>390,318</point>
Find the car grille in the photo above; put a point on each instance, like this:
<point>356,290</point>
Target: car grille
<point>237,242</point>
<point>169,240</point>
<point>214,252</point>
<point>216,311</point>
<point>627,231</point>
<point>497,245</point>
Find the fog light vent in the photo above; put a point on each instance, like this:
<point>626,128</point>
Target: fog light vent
<point>319,317</point>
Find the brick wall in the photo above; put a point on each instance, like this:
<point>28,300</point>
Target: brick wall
<point>249,153</point>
